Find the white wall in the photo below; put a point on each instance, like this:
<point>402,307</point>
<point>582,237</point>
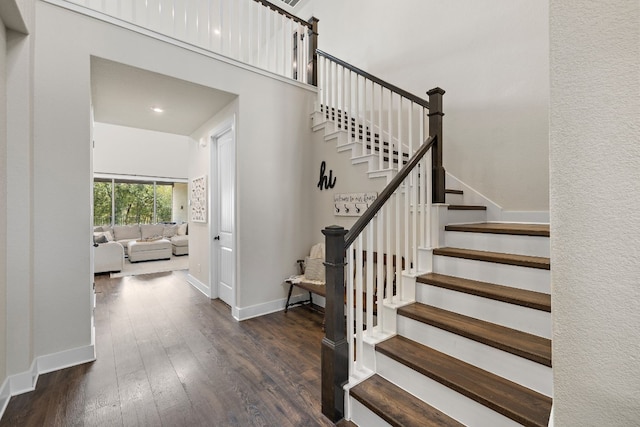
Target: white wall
<point>350,178</point>
<point>273,123</point>
<point>595,159</point>
<point>131,151</point>
<point>19,202</point>
<point>180,199</point>
<point>3,202</point>
<point>492,59</point>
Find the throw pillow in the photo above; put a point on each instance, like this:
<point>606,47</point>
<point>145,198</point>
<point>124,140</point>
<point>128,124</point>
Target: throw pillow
<point>108,228</point>
<point>170,230</point>
<point>102,237</point>
<point>314,269</point>
<point>182,229</point>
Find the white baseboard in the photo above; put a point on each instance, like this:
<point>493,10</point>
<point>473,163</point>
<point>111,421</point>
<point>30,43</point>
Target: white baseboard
<point>205,289</point>
<point>25,382</point>
<point>5,396</point>
<point>244,313</point>
<point>66,359</point>
<point>495,213</point>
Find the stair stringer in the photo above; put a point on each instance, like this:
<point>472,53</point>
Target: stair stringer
<point>339,136</point>
<point>495,212</point>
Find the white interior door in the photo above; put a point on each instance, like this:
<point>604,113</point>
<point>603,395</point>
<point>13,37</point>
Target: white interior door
<point>224,240</point>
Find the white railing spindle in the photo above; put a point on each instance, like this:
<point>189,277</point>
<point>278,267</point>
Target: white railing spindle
<point>358,297</point>
<point>349,312</point>
<point>380,130</point>
<point>370,304</point>
<point>416,184</point>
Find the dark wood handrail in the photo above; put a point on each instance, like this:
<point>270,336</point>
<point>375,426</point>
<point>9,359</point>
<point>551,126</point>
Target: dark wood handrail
<point>284,12</point>
<point>377,204</point>
<point>396,89</point>
<point>335,346</point>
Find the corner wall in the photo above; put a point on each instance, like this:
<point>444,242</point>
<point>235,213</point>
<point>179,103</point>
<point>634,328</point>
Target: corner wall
<point>491,57</point>
<point>595,164</point>
<point>273,124</point>
<point>3,203</point>
<point>18,204</point>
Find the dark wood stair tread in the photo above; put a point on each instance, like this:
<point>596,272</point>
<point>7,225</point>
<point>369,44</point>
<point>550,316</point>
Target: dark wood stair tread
<point>466,208</point>
<point>451,191</point>
<point>345,423</point>
<point>497,257</point>
<point>528,346</point>
<point>521,297</point>
<point>396,406</point>
<point>512,400</point>
<point>503,228</point>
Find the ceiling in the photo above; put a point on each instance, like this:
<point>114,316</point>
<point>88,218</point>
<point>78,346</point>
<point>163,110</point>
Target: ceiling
<point>124,95</point>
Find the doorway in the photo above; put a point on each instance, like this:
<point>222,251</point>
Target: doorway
<point>223,245</point>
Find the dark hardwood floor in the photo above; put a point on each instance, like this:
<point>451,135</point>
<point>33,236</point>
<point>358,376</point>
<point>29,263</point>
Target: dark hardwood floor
<point>168,356</point>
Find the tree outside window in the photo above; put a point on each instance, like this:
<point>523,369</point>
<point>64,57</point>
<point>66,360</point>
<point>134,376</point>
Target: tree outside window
<point>133,202</point>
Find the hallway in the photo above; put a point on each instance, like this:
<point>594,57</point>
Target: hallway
<point>169,356</point>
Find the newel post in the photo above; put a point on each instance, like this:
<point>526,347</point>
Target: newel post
<point>335,348</point>
<point>435,129</point>
<point>312,66</point>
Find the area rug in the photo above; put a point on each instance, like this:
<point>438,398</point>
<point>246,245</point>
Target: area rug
<point>148,267</point>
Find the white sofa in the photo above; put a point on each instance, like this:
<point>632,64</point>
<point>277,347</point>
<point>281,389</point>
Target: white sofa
<point>108,257</point>
<point>113,242</point>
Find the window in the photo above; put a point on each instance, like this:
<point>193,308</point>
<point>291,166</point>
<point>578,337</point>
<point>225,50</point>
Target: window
<point>131,202</point>
<point>102,205</point>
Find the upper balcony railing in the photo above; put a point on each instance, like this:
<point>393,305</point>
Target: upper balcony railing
<point>254,32</point>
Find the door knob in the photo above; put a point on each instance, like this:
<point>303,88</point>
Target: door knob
<point>216,238</point>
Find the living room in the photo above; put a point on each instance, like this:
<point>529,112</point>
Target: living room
<point>141,166</point>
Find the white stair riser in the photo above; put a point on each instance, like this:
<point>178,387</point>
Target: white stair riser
<point>346,147</point>
<point>363,416</point>
<point>339,136</point>
<point>533,279</point>
<point>465,216</point>
<point>454,199</point>
<point>532,321</point>
<point>514,368</point>
<point>503,243</point>
<point>452,403</point>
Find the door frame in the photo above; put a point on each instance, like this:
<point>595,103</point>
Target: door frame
<point>228,125</point>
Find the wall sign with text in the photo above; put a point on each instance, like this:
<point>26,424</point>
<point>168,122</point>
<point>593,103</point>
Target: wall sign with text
<point>352,204</point>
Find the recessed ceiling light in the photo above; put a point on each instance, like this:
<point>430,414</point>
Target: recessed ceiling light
<point>157,109</point>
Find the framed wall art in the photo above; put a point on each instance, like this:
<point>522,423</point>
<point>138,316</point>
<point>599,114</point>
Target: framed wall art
<point>199,199</point>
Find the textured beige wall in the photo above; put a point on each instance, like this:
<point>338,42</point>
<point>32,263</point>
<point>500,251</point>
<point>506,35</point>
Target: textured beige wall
<point>595,211</point>
<point>3,203</point>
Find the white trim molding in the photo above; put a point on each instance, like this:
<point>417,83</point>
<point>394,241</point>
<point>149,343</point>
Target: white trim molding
<point>245,313</point>
<point>205,289</point>
<point>25,382</point>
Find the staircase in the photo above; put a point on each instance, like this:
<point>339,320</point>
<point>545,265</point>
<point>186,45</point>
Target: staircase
<point>475,347</point>
<point>465,337</point>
